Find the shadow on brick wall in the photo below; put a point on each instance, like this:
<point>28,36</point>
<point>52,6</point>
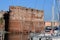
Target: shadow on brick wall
<point>6,17</point>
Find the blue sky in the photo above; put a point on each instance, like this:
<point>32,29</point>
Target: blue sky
<point>45,5</point>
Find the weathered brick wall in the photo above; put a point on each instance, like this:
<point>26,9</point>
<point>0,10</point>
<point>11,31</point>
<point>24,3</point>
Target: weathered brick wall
<point>38,26</point>
<point>18,37</point>
<point>15,26</point>
<point>23,19</point>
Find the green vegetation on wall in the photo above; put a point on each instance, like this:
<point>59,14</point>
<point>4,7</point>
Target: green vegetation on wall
<point>1,20</point>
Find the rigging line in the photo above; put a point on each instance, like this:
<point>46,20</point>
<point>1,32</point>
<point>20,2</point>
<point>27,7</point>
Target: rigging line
<point>57,6</point>
<point>58,10</point>
<point>53,9</point>
<point>57,3</point>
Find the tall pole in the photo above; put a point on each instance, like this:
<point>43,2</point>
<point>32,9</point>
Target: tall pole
<point>53,21</point>
<point>52,13</point>
<point>53,10</point>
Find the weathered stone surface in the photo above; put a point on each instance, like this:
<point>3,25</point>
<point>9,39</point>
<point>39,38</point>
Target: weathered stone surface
<point>25,19</point>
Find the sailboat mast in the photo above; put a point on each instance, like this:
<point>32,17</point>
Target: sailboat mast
<point>53,10</point>
<point>53,21</point>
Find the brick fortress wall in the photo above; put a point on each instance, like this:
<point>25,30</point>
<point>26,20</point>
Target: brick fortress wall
<point>25,19</point>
